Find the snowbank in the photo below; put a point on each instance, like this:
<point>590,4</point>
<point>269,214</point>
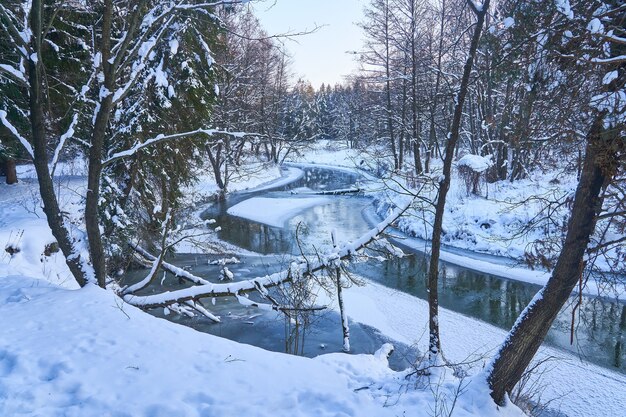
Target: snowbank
<point>83,353</point>
<point>257,174</point>
<point>26,242</point>
<point>102,358</point>
<point>273,211</point>
<point>476,163</point>
<point>590,390</point>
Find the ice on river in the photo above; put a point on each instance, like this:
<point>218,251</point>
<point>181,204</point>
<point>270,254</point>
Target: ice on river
<point>274,211</point>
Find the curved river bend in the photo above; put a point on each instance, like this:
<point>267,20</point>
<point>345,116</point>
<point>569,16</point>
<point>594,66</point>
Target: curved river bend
<point>600,328</point>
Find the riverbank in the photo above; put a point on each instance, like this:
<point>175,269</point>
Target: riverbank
<point>505,231</point>
<point>364,385</point>
<point>520,222</point>
<point>70,352</point>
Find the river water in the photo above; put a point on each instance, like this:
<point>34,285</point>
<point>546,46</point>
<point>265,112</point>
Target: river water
<point>600,325</point>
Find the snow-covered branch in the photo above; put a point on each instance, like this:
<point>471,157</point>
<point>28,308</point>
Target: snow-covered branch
<point>164,138</point>
<point>13,73</point>
<point>176,271</point>
<point>236,289</point>
<point>12,129</point>
<point>476,8</point>
<point>156,263</point>
<point>64,137</point>
<point>19,38</point>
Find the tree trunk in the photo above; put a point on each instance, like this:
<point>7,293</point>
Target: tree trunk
<point>345,328</point>
<point>434,343</point>
<point>396,162</point>
<point>92,217</point>
<point>216,164</point>
<point>523,341</point>
<point>40,157</point>
<point>417,159</point>
<point>10,171</point>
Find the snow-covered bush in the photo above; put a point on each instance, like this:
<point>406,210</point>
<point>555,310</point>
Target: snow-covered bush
<point>471,169</point>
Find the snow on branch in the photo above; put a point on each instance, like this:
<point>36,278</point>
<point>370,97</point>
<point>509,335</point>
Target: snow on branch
<point>13,72</point>
<point>476,7</point>
<point>200,309</point>
<point>209,4</point>
<point>236,289</point>
<point>23,141</point>
<point>64,137</point>
<point>613,60</point>
<point>20,38</point>
<point>163,138</point>
<point>176,271</point>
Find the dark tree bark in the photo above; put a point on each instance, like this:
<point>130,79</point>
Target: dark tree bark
<point>434,342</point>
<point>92,217</point>
<point>40,157</point>
<point>600,164</point>
<point>216,164</point>
<point>432,134</point>
<point>345,327</point>
<point>417,159</point>
<point>10,171</point>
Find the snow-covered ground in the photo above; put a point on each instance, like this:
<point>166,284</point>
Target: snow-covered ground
<point>68,352</point>
<point>258,174</point>
<point>84,353</point>
<point>24,229</point>
<point>590,390</point>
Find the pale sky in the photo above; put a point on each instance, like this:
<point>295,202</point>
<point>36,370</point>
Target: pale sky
<point>319,57</point>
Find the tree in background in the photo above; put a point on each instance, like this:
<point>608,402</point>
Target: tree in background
<point>105,63</point>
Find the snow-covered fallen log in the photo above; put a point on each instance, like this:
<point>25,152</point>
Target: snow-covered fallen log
<point>339,192</point>
<point>237,289</point>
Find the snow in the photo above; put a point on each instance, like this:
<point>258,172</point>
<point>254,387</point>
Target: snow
<point>476,163</point>
<point>112,359</point>
<point>67,135</point>
<point>609,77</point>
<point>14,72</point>
<point>290,174</point>
<point>595,26</point>
<point>56,362</point>
<point>508,22</point>
<point>258,177</point>
<point>174,47</point>
<point>274,211</point>
<point>404,318</point>
<point>564,7</point>
<point>23,226</point>
<point>13,130</point>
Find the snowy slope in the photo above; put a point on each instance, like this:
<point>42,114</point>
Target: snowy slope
<point>82,353</point>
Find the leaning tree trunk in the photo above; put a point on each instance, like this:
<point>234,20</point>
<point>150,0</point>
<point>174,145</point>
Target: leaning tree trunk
<point>523,341</point>
<point>434,342</point>
<point>40,154</point>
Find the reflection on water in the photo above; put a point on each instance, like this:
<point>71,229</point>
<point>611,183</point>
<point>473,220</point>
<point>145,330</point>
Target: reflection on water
<point>600,323</point>
<point>600,326</point>
<point>313,227</point>
<point>266,329</point>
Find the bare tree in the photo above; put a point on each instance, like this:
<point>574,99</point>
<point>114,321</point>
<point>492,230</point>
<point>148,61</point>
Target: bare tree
<point>434,344</point>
